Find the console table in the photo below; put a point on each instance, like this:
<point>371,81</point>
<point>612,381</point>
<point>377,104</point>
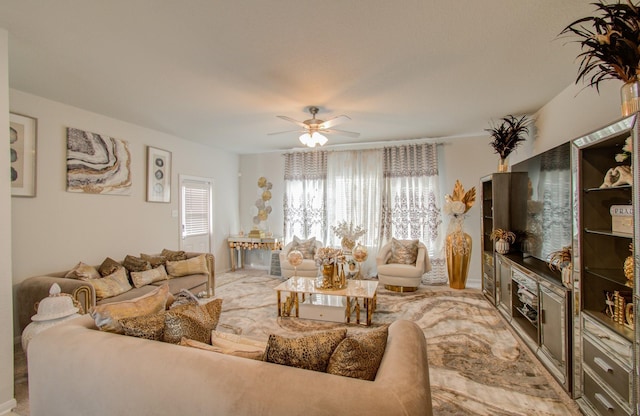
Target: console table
<point>239,245</point>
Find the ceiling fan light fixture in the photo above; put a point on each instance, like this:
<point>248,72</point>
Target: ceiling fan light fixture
<point>313,139</point>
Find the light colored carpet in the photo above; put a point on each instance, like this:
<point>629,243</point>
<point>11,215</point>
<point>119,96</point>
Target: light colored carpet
<point>477,365</point>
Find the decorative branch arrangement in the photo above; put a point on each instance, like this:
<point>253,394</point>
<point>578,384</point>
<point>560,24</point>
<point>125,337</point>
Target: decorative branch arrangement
<point>508,134</point>
<point>610,43</point>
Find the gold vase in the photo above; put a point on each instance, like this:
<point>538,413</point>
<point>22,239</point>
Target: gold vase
<point>331,278</point>
<point>630,98</point>
<point>503,165</point>
<point>458,250</point>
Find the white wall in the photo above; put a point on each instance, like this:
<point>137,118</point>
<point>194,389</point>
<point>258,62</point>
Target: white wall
<point>57,229</point>
<point>252,167</point>
<point>7,400</point>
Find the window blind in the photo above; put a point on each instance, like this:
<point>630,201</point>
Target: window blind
<point>196,198</point>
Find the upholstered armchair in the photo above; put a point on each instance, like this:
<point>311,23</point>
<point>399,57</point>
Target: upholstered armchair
<point>308,267</point>
<point>395,271</point>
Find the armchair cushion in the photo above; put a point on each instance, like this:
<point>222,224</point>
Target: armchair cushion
<point>404,251</point>
<point>306,247</point>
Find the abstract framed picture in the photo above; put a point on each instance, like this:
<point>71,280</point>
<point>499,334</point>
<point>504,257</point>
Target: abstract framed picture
<point>158,175</point>
<point>97,164</point>
<point>23,131</point>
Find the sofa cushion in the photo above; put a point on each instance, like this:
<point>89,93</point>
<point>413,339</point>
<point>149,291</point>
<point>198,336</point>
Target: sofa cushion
<point>238,345</point>
<point>404,251</point>
<point>136,264</point>
<point>146,277</point>
<point>306,247</point>
<point>252,354</point>
<point>146,326</point>
<point>185,282</point>
<point>174,255</point>
<point>112,285</point>
<point>193,321</point>
<point>83,271</point>
<point>155,261</point>
<point>109,266</point>
<point>359,355</point>
<point>311,352</point>
<point>194,265</point>
<point>107,315</point>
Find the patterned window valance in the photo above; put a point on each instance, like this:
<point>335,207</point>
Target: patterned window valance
<point>305,165</point>
<point>411,160</point>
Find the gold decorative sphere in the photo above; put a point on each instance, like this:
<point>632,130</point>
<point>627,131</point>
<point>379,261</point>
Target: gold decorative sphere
<point>360,253</point>
<point>262,182</point>
<point>266,195</point>
<point>295,258</point>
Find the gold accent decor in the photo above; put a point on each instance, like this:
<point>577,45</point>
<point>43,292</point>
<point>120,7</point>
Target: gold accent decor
<point>400,289</point>
<point>629,268</point>
<point>83,296</point>
<point>503,165</point>
<point>458,243</point>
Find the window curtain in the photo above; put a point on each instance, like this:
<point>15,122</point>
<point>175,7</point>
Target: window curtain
<point>305,179</point>
<point>354,195</point>
<point>411,202</point>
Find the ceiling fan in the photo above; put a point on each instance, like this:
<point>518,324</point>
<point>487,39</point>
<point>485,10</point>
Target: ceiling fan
<point>313,127</point>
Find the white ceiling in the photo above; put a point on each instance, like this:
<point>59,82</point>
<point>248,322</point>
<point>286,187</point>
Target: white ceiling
<point>218,72</point>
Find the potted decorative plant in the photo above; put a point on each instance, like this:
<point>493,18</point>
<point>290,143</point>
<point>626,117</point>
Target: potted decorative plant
<point>503,239</point>
<point>610,44</point>
<point>561,260</point>
<point>507,136</point>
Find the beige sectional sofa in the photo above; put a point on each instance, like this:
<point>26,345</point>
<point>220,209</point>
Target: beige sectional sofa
<point>75,369</point>
<point>33,289</point>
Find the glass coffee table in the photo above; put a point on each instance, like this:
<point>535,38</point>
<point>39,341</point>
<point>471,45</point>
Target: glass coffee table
<point>303,300</point>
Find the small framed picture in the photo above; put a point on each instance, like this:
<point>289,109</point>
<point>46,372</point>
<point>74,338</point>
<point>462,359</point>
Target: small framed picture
<point>158,175</point>
<point>22,143</point>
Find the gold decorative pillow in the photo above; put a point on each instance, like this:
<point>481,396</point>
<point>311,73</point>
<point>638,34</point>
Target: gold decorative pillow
<point>254,355</point>
<point>359,355</point>
<point>174,255</point>
<point>136,264</point>
<point>83,271</point>
<point>194,265</point>
<point>193,321</point>
<point>108,266</point>
<point>155,261</point>
<point>147,326</point>
<point>108,315</point>
<point>311,352</point>
<point>404,251</point>
<point>140,279</point>
<point>112,285</point>
<point>306,247</point>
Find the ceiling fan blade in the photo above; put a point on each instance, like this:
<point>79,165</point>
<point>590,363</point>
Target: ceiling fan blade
<point>283,132</point>
<point>296,122</point>
<point>342,133</point>
<point>334,121</point>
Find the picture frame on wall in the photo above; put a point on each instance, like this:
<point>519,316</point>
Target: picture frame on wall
<point>158,175</point>
<point>23,135</point>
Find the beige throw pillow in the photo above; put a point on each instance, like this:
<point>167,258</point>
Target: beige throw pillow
<point>140,279</point>
<point>107,316</point>
<point>359,355</point>
<point>83,271</point>
<point>311,352</point>
<point>404,251</point>
<point>242,350</point>
<point>112,285</point>
<point>194,265</point>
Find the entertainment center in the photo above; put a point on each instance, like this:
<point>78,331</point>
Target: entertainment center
<point>576,199</point>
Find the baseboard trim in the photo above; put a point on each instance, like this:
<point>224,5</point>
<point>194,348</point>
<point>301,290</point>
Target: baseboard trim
<point>8,406</point>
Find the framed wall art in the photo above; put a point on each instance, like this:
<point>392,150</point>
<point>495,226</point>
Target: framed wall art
<point>97,164</point>
<point>158,175</point>
<point>22,142</point>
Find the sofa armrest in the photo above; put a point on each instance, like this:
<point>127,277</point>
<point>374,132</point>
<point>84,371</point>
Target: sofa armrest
<point>383,255</point>
<point>32,290</point>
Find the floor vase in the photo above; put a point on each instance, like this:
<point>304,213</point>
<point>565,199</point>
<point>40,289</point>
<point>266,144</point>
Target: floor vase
<point>458,250</point>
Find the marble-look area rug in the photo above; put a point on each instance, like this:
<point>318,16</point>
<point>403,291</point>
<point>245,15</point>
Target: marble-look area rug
<point>477,365</point>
